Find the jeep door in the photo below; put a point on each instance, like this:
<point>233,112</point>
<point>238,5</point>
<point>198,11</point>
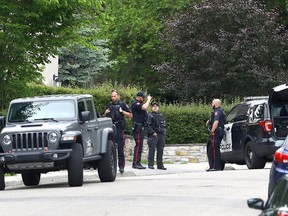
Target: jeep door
<point>89,128</point>
<point>94,126</point>
<point>85,129</point>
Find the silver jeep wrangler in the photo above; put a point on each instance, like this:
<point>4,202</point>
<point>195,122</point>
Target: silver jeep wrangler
<point>52,133</point>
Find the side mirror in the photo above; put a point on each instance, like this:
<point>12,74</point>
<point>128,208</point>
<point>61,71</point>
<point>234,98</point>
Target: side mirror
<point>2,122</point>
<point>85,116</point>
<point>256,203</point>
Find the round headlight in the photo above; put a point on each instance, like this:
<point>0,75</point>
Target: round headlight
<point>52,137</point>
<point>7,140</point>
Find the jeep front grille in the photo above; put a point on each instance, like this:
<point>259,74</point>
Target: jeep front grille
<point>29,141</point>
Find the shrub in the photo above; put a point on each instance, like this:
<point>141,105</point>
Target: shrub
<point>185,123</point>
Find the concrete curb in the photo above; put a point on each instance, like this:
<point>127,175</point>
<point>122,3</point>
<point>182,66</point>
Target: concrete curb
<point>62,176</point>
<point>92,175</point>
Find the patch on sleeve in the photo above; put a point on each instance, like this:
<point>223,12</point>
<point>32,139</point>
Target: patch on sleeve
<point>138,103</point>
<point>215,113</point>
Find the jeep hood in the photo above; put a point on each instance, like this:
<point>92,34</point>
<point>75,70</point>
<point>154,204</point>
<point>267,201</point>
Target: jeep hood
<point>278,94</point>
<point>40,126</point>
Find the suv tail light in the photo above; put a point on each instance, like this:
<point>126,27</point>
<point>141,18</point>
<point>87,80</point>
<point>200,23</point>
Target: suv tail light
<point>280,156</point>
<point>267,125</point>
<point>282,213</point>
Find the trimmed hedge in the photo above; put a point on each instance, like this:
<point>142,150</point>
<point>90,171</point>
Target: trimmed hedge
<point>185,123</point>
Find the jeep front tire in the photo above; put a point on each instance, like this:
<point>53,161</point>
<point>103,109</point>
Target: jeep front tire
<point>107,168</point>
<point>75,166</point>
<point>2,178</point>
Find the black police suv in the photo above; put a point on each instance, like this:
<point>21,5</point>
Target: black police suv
<point>255,129</point>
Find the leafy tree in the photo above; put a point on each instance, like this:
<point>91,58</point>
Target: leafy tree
<point>33,30</point>
<point>81,65</point>
<point>223,48</point>
<point>281,6</point>
<point>131,28</point>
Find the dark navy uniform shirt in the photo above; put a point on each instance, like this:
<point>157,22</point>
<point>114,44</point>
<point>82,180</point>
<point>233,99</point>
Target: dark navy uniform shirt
<point>138,115</point>
<point>156,123</point>
<point>218,114</point>
<point>114,111</point>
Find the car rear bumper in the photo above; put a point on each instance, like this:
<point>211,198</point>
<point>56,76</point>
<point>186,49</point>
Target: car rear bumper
<point>266,148</point>
<point>277,171</point>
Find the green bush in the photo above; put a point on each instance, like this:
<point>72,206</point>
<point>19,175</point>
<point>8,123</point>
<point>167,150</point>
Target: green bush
<point>185,123</point>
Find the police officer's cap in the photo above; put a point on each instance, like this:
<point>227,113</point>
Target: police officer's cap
<point>141,94</point>
<point>155,103</point>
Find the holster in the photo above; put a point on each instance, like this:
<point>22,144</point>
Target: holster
<point>121,123</point>
<point>137,127</point>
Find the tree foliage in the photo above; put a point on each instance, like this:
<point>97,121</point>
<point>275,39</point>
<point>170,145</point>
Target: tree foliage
<point>131,28</point>
<point>223,48</point>
<point>81,65</point>
<point>33,30</point>
<point>281,6</point>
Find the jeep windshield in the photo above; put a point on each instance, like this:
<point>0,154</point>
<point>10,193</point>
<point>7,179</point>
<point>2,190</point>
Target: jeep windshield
<point>42,110</point>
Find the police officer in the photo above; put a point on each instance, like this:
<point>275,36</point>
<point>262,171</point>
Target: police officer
<point>139,121</point>
<point>156,137</point>
<point>117,110</point>
<point>216,126</point>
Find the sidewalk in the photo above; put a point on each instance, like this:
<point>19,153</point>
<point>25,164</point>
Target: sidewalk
<point>62,176</point>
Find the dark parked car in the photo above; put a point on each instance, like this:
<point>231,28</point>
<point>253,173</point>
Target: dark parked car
<point>255,129</point>
<point>279,166</point>
<point>277,203</point>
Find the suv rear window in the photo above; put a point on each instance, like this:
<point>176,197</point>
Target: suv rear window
<point>279,110</point>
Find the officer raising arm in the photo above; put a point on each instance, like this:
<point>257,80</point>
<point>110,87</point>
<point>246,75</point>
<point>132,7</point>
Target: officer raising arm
<point>139,120</point>
<point>117,110</point>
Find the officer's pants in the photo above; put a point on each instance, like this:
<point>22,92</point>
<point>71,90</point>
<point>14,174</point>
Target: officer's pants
<point>213,150</point>
<point>120,140</point>
<point>138,137</point>
<point>153,143</point>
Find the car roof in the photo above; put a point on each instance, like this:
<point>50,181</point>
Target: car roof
<point>255,100</point>
<point>52,97</point>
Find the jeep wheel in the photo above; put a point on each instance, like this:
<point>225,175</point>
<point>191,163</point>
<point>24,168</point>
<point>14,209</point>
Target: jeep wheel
<point>2,178</point>
<point>75,166</point>
<point>253,161</point>
<point>108,164</point>
<point>31,178</point>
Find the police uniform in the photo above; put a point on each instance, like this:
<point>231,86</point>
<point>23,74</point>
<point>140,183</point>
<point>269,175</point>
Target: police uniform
<point>156,124</point>
<point>213,145</point>
<point>120,123</point>
<point>139,120</point>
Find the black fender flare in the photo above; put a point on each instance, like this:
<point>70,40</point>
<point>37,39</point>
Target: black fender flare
<point>108,134</point>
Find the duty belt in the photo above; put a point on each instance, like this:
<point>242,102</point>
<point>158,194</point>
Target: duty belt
<point>137,123</point>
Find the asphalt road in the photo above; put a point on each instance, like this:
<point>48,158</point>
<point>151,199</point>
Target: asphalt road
<point>184,189</point>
